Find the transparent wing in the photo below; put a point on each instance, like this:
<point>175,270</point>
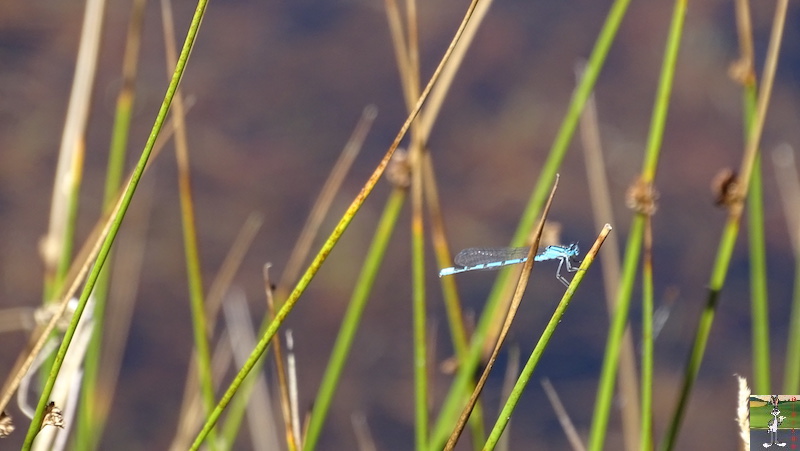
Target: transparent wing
<point>483,255</point>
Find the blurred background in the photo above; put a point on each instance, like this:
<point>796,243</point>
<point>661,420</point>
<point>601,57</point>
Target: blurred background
<point>278,87</point>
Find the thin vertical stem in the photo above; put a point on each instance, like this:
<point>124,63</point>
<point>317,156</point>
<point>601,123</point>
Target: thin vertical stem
<point>646,436</point>
<point>194,27</point>
<point>652,152</point>
<point>731,231</point>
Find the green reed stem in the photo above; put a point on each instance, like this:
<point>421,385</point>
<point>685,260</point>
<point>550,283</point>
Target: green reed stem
<point>352,318</point>
<point>418,309</point>
<point>703,330</point>
<point>657,123</point>
<point>646,436</point>
<point>452,303</point>
<point>758,282</point>
<point>731,230</point>
<point>522,381</point>
<point>758,260</point>
<point>194,276</point>
<point>605,389</point>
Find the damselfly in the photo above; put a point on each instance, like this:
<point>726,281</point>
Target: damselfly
<point>478,259</point>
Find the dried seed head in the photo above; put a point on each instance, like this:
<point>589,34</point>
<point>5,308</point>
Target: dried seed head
<point>6,425</point>
<point>44,314</point>
<point>399,171</point>
<point>641,197</point>
<point>741,71</point>
<point>53,416</point>
<point>725,187</point>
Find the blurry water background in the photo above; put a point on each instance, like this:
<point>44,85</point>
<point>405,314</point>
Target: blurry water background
<point>278,87</point>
